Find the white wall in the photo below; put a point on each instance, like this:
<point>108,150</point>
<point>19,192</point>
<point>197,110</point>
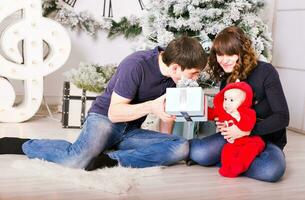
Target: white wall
<point>268,13</point>
<point>98,49</point>
<point>288,56</point>
<point>120,7</point>
<point>86,49</point>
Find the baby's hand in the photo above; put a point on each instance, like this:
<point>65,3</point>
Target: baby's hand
<point>229,123</point>
<point>219,126</point>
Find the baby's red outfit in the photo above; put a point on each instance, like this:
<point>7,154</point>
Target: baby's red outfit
<point>237,157</point>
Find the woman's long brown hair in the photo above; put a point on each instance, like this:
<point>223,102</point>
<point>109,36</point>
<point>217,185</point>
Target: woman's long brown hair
<point>232,41</point>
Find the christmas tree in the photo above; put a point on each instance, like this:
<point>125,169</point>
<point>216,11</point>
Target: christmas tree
<point>203,19</point>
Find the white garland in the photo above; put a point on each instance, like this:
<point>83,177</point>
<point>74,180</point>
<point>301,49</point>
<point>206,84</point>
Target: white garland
<point>91,77</point>
<point>82,20</point>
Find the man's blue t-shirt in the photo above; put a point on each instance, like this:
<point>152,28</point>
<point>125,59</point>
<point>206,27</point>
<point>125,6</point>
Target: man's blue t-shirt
<point>138,78</point>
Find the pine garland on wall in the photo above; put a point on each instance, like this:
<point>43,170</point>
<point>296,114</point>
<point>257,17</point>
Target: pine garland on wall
<point>83,21</point>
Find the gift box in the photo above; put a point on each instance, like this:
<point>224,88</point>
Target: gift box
<point>188,130</point>
<point>187,104</point>
<point>76,103</point>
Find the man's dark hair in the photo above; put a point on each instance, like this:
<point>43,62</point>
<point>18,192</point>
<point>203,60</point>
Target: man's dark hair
<point>186,52</point>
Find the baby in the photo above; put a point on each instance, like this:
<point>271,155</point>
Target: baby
<point>232,105</point>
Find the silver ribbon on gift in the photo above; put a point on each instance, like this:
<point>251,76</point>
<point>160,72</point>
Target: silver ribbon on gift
<point>184,83</point>
<point>183,104</point>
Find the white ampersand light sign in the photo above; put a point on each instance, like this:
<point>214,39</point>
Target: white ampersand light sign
<point>32,29</point>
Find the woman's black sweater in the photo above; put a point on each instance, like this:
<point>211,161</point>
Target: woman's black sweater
<point>270,104</point>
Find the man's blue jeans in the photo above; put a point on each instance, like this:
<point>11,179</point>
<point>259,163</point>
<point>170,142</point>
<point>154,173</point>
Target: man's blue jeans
<point>269,166</point>
<point>136,147</point>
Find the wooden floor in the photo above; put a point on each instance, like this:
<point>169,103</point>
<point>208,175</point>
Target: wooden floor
<point>177,182</point>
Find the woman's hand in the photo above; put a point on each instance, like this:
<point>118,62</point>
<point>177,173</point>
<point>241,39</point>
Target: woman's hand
<point>231,133</point>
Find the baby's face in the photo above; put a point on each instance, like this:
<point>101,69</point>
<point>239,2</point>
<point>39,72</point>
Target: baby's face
<point>233,98</point>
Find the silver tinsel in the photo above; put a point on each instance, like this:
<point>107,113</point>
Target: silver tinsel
<point>184,82</point>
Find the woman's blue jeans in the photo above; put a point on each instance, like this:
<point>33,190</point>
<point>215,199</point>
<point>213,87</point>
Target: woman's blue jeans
<point>136,147</point>
<point>269,166</point>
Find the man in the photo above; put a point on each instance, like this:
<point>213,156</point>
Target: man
<point>136,89</point>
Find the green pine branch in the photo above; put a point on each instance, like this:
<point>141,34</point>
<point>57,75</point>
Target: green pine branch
<point>124,27</point>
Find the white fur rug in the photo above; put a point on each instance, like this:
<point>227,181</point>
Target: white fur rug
<point>114,180</point>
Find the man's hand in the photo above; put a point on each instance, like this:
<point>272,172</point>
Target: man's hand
<point>232,132</point>
<point>166,127</point>
<point>120,109</point>
<point>158,108</point>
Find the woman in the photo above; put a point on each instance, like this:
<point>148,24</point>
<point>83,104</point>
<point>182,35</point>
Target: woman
<point>232,57</point>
